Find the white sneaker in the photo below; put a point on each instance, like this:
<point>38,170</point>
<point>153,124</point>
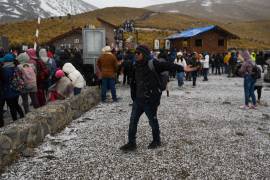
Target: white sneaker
<point>244,107</point>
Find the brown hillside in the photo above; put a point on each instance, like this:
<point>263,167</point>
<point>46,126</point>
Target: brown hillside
<point>255,35</point>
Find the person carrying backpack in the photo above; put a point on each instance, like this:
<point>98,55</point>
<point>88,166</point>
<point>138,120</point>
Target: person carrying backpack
<point>146,93</point>
<point>10,93</point>
<point>29,76</point>
<point>51,65</point>
<point>42,75</point>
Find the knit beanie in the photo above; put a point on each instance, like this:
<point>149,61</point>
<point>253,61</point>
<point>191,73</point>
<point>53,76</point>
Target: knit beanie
<point>23,58</point>
<point>59,73</point>
<point>145,51</point>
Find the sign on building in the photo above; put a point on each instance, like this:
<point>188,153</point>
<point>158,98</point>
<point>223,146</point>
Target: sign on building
<point>156,44</point>
<point>167,44</point>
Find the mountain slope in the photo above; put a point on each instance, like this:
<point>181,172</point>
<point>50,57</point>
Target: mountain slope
<point>225,10</point>
<point>15,10</point>
<point>254,35</point>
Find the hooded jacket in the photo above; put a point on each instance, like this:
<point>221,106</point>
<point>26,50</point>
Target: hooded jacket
<point>74,75</point>
<point>246,68</point>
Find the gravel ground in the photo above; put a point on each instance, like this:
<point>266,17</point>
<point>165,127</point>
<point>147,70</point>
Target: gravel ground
<point>204,136</point>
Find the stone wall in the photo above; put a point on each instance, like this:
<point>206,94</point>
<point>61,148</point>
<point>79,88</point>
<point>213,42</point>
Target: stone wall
<point>16,139</point>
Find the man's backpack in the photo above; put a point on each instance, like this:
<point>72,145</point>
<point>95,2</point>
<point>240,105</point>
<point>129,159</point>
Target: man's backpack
<point>42,71</point>
<point>256,72</point>
<point>163,77</point>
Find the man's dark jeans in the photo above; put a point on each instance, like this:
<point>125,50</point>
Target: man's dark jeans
<point>108,83</point>
<point>205,74</point>
<point>194,75</point>
<point>138,108</point>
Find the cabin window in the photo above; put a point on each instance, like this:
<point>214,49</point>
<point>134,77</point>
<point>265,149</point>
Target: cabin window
<point>76,41</point>
<point>185,44</point>
<point>198,42</point>
<point>221,43</point>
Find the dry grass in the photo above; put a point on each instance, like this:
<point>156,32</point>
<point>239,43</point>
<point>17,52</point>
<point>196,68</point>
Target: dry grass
<point>255,35</point>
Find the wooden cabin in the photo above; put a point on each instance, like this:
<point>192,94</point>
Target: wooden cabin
<point>211,39</point>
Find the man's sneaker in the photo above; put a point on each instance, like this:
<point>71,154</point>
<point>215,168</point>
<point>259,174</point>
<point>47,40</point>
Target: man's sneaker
<point>128,147</point>
<point>154,145</point>
<point>117,99</point>
<point>244,107</point>
<point>253,107</point>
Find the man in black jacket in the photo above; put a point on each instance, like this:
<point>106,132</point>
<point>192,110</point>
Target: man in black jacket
<point>146,94</point>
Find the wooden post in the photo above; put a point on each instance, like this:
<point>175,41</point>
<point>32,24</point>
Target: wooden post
<point>37,34</point>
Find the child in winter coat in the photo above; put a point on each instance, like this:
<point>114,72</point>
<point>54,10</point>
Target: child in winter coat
<point>63,87</point>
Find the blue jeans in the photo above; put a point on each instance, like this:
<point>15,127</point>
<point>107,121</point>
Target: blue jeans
<point>108,83</point>
<point>138,108</point>
<point>249,85</point>
<point>180,78</point>
<point>205,74</point>
<point>77,91</point>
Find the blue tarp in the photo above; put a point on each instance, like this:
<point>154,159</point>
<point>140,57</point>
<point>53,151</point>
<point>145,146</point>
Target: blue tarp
<point>191,32</point>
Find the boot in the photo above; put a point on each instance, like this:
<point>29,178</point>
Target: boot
<point>128,147</point>
<point>154,145</point>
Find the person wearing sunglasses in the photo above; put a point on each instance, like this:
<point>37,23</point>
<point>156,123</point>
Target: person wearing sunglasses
<point>146,94</point>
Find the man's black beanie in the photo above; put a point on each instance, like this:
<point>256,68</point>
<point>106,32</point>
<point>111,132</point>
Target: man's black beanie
<point>145,51</point>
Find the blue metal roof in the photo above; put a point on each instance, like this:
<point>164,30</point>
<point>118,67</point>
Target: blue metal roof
<point>191,32</point>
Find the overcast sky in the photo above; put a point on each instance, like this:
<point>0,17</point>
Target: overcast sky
<point>128,3</point>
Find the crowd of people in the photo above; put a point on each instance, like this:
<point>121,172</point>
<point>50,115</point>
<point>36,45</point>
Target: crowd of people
<point>45,77</point>
<point>38,75</point>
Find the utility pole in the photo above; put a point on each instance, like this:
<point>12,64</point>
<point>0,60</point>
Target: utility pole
<point>37,33</point>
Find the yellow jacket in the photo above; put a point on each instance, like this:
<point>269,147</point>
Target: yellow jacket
<point>227,58</point>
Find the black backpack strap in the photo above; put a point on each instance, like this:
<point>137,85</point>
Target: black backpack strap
<point>152,68</point>
<point>151,65</point>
